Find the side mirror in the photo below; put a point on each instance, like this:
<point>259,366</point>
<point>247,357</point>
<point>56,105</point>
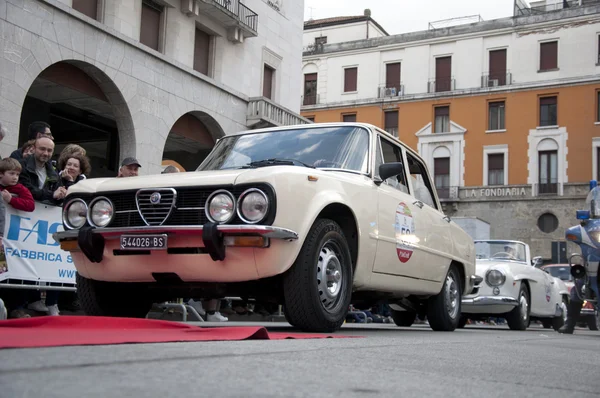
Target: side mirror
<point>388,170</point>
<point>537,260</point>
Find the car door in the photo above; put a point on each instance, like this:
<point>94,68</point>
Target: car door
<point>436,237</point>
<point>400,223</point>
<point>545,301</point>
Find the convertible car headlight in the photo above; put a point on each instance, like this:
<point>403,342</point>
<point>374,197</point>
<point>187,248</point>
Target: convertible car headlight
<point>75,214</point>
<point>495,277</point>
<point>101,212</point>
<point>220,207</point>
<point>253,206</point>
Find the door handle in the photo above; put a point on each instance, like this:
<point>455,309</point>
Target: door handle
<point>447,219</point>
<point>418,203</point>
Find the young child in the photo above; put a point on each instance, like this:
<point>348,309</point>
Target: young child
<point>12,192</point>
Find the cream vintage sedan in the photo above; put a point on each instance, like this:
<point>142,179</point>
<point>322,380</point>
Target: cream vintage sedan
<point>313,217</point>
<point>514,288</point>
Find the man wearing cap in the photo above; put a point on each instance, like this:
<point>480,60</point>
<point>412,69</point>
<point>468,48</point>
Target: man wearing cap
<point>129,168</point>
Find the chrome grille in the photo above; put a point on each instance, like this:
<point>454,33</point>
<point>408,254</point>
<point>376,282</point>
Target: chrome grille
<point>155,205</point>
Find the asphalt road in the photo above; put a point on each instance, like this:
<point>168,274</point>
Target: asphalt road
<point>388,361</point>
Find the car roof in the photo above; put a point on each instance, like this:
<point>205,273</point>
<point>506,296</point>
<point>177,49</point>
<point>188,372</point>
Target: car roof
<point>499,241</point>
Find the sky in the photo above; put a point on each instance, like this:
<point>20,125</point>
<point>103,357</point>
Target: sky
<point>401,16</point>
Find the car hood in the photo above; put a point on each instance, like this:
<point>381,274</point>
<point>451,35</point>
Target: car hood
<point>481,267</point>
<point>192,178</point>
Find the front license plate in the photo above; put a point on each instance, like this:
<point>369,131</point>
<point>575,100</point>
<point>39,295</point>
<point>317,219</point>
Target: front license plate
<point>144,242</point>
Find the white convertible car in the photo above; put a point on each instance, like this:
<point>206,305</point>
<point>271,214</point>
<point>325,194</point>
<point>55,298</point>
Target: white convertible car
<point>313,217</point>
<point>514,288</point>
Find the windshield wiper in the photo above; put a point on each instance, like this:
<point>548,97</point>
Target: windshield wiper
<point>276,162</point>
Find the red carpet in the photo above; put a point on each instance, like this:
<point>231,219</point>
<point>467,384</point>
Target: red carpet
<point>55,331</point>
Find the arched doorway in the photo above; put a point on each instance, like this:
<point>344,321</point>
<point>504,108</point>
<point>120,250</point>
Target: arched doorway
<point>190,140</point>
<point>83,106</point>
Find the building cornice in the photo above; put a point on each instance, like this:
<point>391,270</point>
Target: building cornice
<point>480,29</point>
<point>515,87</point>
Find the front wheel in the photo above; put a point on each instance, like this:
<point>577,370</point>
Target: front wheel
<point>403,318</point>
<point>98,298</point>
<point>518,318</point>
<point>318,287</point>
<point>444,309</point>
<point>559,321</point>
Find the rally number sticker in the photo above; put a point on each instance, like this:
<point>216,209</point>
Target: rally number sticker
<point>405,226</point>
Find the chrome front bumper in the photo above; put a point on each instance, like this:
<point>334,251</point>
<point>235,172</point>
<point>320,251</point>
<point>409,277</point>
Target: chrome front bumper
<point>91,241</point>
<point>490,300</point>
<point>114,233</point>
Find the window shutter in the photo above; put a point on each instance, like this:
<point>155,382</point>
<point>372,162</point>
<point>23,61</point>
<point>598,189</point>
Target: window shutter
<point>87,7</point>
<point>549,55</point>
<point>441,166</point>
<point>496,161</point>
<point>150,26</point>
<point>268,82</point>
<point>201,52</point>
<point>392,75</point>
<point>350,77</point>
<point>391,119</point>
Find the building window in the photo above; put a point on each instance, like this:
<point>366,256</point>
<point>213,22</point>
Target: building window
<point>268,75</point>
<point>320,41</point>
<point>87,7</point>
<point>598,163</point>
<point>598,106</point>
<point>548,56</point>
<point>392,76</point>
<point>443,74</point>
<point>441,171</point>
<point>311,118</point>
<point>442,119</point>
<point>350,79</point>
<point>496,169</point>
<point>496,116</point>
<point>548,111</point>
<point>349,118</point>
<point>391,122</point>
<point>548,172</point>
<point>150,30</point>
<point>497,68</point>
<point>598,61</point>
<point>202,52</point>
<point>310,89</point>
<point>547,223</point>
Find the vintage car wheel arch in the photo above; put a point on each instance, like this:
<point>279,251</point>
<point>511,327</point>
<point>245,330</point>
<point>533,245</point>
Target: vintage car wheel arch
<point>343,215</point>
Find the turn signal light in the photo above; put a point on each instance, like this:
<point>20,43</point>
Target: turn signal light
<point>69,245</point>
<point>571,237</point>
<point>246,241</point>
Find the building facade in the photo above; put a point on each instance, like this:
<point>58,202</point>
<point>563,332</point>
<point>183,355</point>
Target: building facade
<point>505,112</point>
<point>159,80</point>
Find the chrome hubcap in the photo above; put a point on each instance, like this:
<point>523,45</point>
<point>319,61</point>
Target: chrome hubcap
<point>451,293</point>
<point>524,306</point>
<point>329,276</point>
<point>564,311</point>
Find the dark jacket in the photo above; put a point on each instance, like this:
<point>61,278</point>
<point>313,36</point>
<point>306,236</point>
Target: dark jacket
<point>66,183</point>
<point>22,198</point>
<point>30,179</point>
<point>17,154</point>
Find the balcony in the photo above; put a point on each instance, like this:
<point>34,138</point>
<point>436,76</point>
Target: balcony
<point>241,21</point>
<point>441,85</point>
<point>390,91</point>
<point>308,100</point>
<point>447,193</point>
<point>548,186</point>
<point>263,113</point>
<point>496,79</point>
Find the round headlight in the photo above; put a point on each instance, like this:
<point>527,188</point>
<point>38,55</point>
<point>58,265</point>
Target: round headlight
<point>220,207</point>
<point>101,212</point>
<point>75,213</point>
<point>495,277</point>
<point>253,206</point>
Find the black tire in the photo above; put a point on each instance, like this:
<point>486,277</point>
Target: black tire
<point>310,305</point>
<point>462,322</point>
<point>444,309</point>
<point>559,321</point>
<point>593,321</point>
<point>515,319</point>
<point>403,318</point>
<point>99,298</point>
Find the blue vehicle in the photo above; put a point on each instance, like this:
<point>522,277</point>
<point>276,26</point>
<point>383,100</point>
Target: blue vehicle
<point>584,266</point>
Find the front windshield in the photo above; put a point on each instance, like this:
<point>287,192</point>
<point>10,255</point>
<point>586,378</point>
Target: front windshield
<point>345,147</point>
<point>500,251</point>
<point>563,273</point>
<point>593,201</point>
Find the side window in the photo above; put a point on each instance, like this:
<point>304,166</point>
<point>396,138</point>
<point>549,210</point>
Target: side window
<point>421,185</point>
<point>392,153</point>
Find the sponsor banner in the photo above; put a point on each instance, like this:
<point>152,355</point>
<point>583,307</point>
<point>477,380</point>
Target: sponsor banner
<point>404,226</point>
<point>30,252</point>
